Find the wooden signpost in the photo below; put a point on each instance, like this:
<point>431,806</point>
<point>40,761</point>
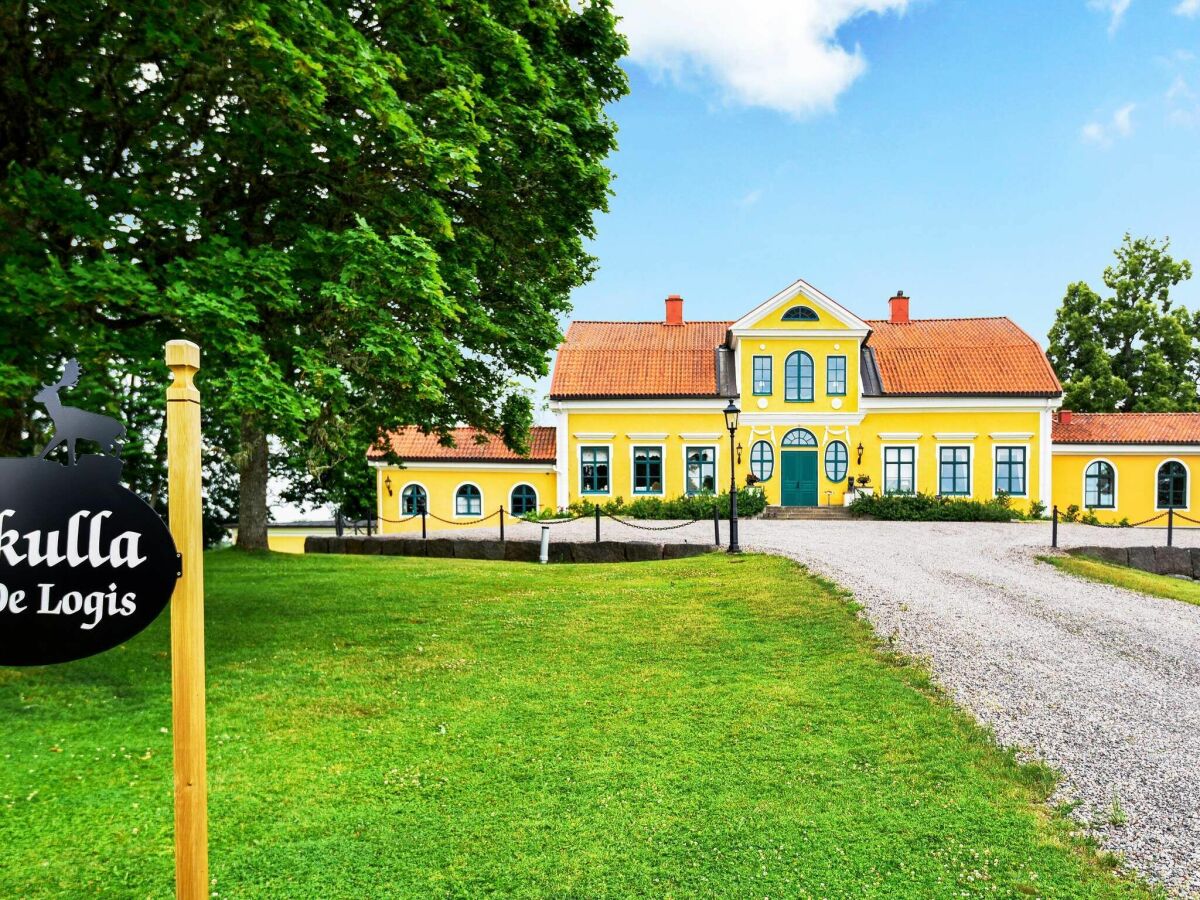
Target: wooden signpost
<point>187,624</point>
<point>86,564</point>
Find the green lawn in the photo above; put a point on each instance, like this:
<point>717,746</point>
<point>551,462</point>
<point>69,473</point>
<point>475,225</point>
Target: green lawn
<point>385,726</point>
<point>1123,576</point>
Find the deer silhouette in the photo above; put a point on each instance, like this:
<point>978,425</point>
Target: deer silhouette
<point>71,424</point>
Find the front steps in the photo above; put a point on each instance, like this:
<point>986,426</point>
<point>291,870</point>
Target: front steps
<point>839,513</point>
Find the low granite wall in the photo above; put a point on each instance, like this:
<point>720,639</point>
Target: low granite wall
<point>1159,560</point>
<point>513,551</point>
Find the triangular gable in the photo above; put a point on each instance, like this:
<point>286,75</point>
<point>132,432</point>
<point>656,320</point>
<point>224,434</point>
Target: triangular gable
<point>800,290</point>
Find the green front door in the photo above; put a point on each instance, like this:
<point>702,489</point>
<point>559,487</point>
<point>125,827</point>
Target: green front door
<point>799,477</point>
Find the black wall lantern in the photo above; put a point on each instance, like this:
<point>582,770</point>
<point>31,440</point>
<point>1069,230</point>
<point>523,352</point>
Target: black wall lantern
<point>860,452</point>
<point>739,453</point>
<point>387,479</point>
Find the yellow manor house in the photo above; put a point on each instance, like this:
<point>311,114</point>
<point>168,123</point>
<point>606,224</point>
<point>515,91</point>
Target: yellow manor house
<point>829,404</point>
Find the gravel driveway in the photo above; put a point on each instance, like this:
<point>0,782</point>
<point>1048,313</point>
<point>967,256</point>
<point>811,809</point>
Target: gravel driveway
<point>1101,683</point>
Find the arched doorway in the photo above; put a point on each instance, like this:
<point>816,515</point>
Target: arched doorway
<point>798,468</point>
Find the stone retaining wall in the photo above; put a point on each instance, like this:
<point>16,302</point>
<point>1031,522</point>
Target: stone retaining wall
<point>513,551</point>
<point>1159,560</point>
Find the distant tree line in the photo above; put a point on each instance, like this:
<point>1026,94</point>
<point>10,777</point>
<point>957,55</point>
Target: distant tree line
<point>368,213</point>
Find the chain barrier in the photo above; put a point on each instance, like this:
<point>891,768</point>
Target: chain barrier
<point>654,527</point>
<point>517,518</point>
<point>400,521</point>
<point>1119,524</point>
<point>1180,515</point>
<point>478,521</point>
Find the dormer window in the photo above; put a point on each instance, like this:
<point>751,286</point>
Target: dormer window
<point>800,314</point>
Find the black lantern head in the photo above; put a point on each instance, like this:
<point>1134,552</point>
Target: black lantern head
<point>731,417</point>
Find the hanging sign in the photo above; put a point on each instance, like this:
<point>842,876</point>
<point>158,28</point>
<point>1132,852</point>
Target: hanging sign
<point>85,564</point>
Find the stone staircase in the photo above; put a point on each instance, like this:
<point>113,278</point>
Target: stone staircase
<point>823,513</point>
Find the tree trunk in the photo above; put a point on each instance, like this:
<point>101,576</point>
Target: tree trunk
<point>252,488</point>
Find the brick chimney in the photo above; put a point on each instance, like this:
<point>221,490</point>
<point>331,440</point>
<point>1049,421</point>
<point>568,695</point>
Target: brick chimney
<point>1064,417</point>
<point>899,309</point>
<point>674,310</point>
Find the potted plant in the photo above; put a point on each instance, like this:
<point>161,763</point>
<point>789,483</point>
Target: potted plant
<point>864,484</point>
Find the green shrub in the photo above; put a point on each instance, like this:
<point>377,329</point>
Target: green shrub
<point>928,508</point>
<point>1070,514</point>
<point>751,502</point>
<point>1037,510</point>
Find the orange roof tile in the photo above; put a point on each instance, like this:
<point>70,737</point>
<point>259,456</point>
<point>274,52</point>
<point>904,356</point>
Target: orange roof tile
<point>1129,428</point>
<point>971,357</point>
<point>413,446</point>
<point>608,360</point>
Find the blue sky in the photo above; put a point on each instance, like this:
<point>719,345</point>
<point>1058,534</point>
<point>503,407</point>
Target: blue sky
<point>980,156</point>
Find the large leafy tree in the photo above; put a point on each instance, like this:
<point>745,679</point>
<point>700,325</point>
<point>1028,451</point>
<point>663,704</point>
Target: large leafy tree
<point>367,213</point>
<point>1134,350</point>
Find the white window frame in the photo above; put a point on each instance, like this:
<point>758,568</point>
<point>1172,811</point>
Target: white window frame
<point>774,457</point>
<point>400,514</point>
<point>715,446</point>
<point>579,468</point>
<point>996,462</point>
<point>1116,485</point>
<point>956,445</point>
<point>662,455</point>
<point>482,503</point>
<point>883,449</point>
<point>1187,471</point>
<point>537,495</point>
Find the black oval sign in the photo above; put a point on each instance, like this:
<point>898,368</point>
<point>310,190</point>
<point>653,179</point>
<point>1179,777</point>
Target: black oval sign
<point>85,564</point>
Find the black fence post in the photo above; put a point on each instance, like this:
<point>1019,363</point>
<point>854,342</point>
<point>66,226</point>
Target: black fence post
<point>1170,525</point>
<point>716,524</point>
<point>597,523</point>
<point>424,534</point>
<point>502,523</point>
<point>1054,528</point>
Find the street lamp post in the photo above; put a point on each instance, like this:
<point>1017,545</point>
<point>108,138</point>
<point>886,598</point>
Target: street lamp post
<point>731,423</point>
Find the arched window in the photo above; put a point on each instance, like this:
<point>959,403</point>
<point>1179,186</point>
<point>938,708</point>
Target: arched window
<point>799,437</point>
<point>800,314</point>
<point>468,501</point>
<point>837,461</point>
<point>523,500</point>
<point>1099,486</point>
<point>413,500</point>
<point>1172,485</point>
<point>762,460</point>
<point>798,377</point>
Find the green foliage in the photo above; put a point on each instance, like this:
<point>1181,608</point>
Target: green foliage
<point>1070,514</point>
<point>366,215</point>
<point>928,508</point>
<point>751,502</point>
<point>1037,510</point>
<point>388,727</point>
<point>1134,350</point>
<point>1093,569</point>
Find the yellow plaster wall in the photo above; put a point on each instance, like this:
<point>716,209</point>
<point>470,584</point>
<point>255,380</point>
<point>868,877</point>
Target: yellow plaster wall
<point>820,349</point>
<point>932,422</point>
<point>494,482</point>
<point>1136,482</point>
<point>825,319</point>
<point>671,426</point>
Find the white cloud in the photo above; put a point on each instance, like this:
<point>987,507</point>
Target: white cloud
<point>1103,133</point>
<point>1116,10</point>
<point>779,54</point>
<point>1189,8</point>
<point>1182,105</point>
<point>750,198</point>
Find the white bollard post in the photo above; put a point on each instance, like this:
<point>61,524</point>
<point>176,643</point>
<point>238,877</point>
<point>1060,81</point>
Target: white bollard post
<point>544,555</point>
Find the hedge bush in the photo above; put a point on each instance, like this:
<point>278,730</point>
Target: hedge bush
<point>928,508</point>
<point>751,502</point>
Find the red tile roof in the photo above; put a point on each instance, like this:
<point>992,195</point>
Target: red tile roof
<point>609,360</point>
<point>413,446</point>
<point>1129,428</point>
<point>965,357</point>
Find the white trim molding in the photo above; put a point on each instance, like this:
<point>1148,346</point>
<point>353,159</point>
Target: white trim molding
<point>647,436</point>
<point>454,501</point>
<point>797,333</point>
<point>700,435</point>
<point>1127,449</point>
<point>579,469</point>
<point>468,465</point>
<point>960,404</point>
<point>1010,435</point>
<point>916,464</point>
<point>800,288</point>
<point>400,513</point>
<point>562,470</point>
<point>789,418</point>
<point>1016,445</point>
<point>594,435</point>
<point>955,435</point>
<point>662,465</point>
<point>642,405</point>
<point>1045,460</point>
<point>908,436</point>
